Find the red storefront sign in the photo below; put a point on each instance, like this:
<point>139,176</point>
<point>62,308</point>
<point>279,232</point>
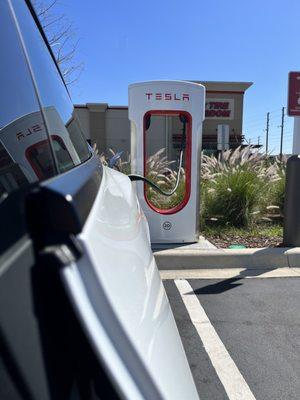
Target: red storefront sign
<point>219,108</point>
<point>294,94</point>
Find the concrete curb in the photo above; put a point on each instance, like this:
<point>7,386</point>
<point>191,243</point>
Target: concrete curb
<point>264,258</point>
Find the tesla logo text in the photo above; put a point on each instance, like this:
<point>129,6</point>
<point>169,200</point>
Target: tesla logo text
<point>168,96</point>
<point>29,131</point>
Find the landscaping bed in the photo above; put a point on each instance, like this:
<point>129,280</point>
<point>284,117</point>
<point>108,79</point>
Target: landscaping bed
<point>241,194</point>
<point>261,235</point>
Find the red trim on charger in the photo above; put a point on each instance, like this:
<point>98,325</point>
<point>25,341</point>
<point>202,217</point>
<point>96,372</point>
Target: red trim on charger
<point>185,200</point>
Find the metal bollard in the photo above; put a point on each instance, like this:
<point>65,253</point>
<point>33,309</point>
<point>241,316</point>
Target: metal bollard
<point>291,226</point>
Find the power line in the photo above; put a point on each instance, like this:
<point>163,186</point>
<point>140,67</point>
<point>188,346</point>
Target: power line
<point>273,125</point>
<point>262,114</point>
<point>262,123</point>
<point>262,117</point>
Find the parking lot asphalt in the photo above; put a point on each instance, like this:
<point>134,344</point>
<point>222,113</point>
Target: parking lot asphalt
<point>245,343</point>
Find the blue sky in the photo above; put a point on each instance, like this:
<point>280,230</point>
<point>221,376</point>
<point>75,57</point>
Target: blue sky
<point>121,42</point>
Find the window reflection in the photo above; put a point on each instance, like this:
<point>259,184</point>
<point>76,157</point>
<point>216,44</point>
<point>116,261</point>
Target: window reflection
<point>25,143</point>
<point>56,103</point>
<point>21,122</point>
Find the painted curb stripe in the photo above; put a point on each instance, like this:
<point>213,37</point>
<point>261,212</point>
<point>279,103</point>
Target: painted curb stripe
<point>228,273</point>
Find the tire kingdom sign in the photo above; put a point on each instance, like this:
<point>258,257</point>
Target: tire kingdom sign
<point>294,94</point>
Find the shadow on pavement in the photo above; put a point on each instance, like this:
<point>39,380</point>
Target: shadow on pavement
<point>230,283</point>
<point>219,287</point>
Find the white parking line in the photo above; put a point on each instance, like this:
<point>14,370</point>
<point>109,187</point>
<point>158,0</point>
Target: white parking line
<point>227,273</point>
<point>234,383</point>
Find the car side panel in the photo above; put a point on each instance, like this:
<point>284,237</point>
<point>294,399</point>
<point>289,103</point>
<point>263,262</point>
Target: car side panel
<point>116,238</point>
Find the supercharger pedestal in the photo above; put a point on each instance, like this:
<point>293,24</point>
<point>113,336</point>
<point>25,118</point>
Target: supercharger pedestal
<point>166,134</point>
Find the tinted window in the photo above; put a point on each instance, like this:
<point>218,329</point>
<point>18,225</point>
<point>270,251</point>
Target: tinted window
<point>71,149</point>
<point>21,128</point>
<point>21,122</point>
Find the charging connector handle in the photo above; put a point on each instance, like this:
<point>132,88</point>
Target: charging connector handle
<point>134,177</point>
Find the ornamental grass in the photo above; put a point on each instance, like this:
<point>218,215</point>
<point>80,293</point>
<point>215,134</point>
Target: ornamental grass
<point>239,189</point>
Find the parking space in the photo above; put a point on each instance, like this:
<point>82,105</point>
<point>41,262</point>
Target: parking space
<point>241,336</point>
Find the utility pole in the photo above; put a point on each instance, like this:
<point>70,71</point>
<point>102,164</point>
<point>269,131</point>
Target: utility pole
<point>267,133</point>
<point>281,135</point>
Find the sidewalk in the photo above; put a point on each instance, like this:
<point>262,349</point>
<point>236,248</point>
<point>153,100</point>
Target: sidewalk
<point>205,255</point>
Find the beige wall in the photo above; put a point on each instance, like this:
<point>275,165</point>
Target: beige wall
<point>118,130</point>
<point>83,116</point>
<point>109,127</point>
<point>210,125</point>
<point>98,133</point>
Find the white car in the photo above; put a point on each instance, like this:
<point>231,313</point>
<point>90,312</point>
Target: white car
<point>83,312</point>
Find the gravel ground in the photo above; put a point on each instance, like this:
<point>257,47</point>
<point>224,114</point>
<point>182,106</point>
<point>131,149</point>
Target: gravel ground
<point>228,240</point>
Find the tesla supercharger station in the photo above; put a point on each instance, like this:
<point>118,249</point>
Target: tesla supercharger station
<point>166,131</point>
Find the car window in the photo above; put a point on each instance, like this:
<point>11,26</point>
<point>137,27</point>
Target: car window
<point>21,122</point>
<point>69,145</point>
<point>22,129</point>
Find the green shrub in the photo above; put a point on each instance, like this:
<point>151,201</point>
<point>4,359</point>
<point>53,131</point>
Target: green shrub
<point>242,187</point>
<point>279,193</point>
<point>232,197</point>
<point>277,190</point>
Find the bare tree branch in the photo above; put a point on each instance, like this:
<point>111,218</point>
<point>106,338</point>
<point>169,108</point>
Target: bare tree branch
<point>74,72</point>
<point>43,9</point>
<point>58,36</point>
<point>61,38</point>
<point>54,21</point>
